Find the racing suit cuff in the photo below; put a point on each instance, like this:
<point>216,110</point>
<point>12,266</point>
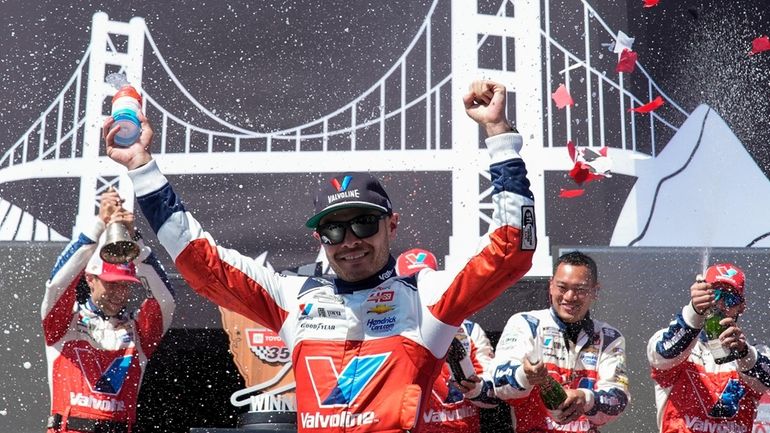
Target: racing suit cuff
<point>749,361</point>
<point>147,179</point>
<point>590,400</point>
<point>503,147</point>
<point>94,231</point>
<point>691,318</point>
<point>521,378</point>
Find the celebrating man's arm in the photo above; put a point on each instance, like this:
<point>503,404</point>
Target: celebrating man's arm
<point>224,276</point>
<point>671,346</point>
<point>507,250</point>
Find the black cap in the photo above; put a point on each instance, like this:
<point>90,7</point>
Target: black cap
<point>349,190</point>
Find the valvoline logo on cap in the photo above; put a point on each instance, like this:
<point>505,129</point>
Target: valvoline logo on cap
<point>726,273</point>
<point>414,260</point>
<point>341,186</point>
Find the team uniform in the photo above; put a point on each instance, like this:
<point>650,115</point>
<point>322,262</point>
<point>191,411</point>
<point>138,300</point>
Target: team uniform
<point>365,355</point>
<point>96,362</point>
<point>448,410</point>
<point>594,364</point>
<point>693,394</point>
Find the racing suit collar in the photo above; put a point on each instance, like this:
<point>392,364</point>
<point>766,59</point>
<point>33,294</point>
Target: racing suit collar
<point>90,306</point>
<point>571,331</point>
<point>388,271</point>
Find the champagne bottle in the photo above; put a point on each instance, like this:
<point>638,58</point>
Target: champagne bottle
<point>460,363</point>
<point>713,330</point>
<point>552,393</point>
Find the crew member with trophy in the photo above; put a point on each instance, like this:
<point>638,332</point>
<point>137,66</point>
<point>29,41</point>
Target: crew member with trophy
<point>97,350</point>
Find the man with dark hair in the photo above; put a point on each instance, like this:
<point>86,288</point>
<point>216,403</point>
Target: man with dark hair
<point>367,345</point>
<point>695,391</point>
<point>97,351</point>
<point>449,410</point>
<point>585,356</point>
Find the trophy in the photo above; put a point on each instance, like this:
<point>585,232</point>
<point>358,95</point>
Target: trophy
<point>118,246</point>
<point>264,362</point>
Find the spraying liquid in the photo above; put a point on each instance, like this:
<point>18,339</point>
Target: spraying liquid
<point>126,105</point>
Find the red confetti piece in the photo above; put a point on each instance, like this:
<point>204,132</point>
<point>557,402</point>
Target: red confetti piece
<point>581,173</point>
<point>571,150</point>
<point>650,106</point>
<point>651,3</point>
<point>760,44</point>
<point>571,193</point>
<point>627,62</point>
<point>562,97</point>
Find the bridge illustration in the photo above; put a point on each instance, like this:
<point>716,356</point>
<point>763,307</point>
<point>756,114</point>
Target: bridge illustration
<point>515,44</point>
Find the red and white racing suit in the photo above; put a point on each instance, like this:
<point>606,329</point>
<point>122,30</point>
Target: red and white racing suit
<point>448,410</point>
<point>95,362</point>
<point>365,355</point>
<point>595,364</point>
<point>694,394</point>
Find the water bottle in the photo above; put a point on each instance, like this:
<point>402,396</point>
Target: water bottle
<point>126,105</point>
<point>713,330</point>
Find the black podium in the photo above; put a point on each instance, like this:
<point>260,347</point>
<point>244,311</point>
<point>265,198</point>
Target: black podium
<point>258,422</point>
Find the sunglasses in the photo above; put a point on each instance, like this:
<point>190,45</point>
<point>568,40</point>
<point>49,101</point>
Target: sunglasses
<point>362,226</point>
<point>729,298</point>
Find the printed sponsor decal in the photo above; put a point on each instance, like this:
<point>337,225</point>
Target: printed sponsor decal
<point>334,389</point>
<point>528,232</point>
<point>341,186</point>
<point>304,309</point>
<point>342,419</point>
<point>91,402</point>
<point>445,415</point>
<point>386,324</point>
<point>333,313</point>
<point>589,357</point>
<point>381,296</point>
<point>380,309</point>
<point>696,424</point>
<point>103,381</point>
<point>267,345</point>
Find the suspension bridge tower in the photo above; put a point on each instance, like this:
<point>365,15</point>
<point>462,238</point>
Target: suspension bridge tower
<point>107,57</point>
<point>515,29</point>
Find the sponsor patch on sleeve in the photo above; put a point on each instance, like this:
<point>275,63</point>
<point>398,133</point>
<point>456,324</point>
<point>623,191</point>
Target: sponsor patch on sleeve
<point>528,232</point>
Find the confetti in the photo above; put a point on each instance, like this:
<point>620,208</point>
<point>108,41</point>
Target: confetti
<point>650,106</point>
<point>571,193</point>
<point>589,165</point>
<point>759,45</point>
<point>623,42</point>
<point>562,97</point>
<point>627,62</point>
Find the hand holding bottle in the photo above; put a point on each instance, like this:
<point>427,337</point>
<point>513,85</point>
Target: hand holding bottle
<point>733,337</point>
<point>572,407</point>
<point>701,295</point>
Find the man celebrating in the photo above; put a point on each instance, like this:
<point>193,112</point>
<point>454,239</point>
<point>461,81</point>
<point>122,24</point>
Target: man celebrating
<point>96,350</point>
<point>693,393</point>
<point>366,346</point>
<point>585,356</point>
<point>450,411</point>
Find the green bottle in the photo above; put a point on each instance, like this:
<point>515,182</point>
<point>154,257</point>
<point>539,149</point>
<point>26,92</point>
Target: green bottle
<point>713,330</point>
<point>552,393</point>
